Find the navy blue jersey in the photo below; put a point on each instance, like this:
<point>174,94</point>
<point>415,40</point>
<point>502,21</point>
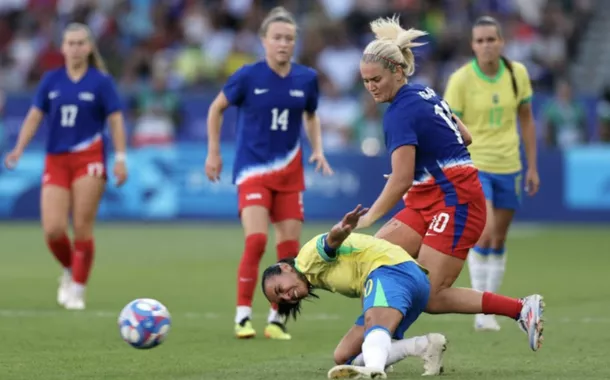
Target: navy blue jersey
<point>269,121</point>
<point>418,116</point>
<point>76,111</point>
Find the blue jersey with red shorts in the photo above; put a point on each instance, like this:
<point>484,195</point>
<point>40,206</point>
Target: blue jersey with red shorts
<point>76,114</point>
<point>445,204</point>
<point>268,167</point>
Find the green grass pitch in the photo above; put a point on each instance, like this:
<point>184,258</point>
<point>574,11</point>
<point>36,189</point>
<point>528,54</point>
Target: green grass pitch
<point>191,268</point>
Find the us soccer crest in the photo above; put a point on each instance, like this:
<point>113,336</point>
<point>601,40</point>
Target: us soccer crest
<point>495,98</point>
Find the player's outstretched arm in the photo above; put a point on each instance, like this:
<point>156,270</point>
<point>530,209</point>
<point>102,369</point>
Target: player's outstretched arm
<point>28,130</point>
<point>399,182</point>
<point>337,235</point>
<point>213,162</point>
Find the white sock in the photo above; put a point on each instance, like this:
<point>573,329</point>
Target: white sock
<point>78,290</point>
<point>400,349</point>
<point>67,276</point>
<point>478,268</point>
<point>376,349</point>
<point>274,317</point>
<point>243,312</point>
<point>495,272</point>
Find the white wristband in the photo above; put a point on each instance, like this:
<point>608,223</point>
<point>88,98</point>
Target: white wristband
<point>120,157</point>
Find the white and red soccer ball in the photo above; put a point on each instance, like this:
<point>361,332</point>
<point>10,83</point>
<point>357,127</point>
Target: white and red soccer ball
<point>144,323</point>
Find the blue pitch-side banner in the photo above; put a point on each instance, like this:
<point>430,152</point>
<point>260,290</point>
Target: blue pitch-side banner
<point>170,184</point>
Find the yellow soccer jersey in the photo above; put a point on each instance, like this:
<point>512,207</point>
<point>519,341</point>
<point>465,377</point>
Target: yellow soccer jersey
<point>488,107</point>
<point>346,273</point>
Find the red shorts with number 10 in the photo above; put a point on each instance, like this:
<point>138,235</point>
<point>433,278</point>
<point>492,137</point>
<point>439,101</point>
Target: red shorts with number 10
<point>63,169</point>
<point>452,230</point>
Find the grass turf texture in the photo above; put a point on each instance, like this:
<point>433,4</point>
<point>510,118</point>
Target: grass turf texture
<point>191,269</point>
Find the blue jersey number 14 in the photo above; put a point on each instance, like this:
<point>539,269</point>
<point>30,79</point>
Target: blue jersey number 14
<point>279,119</point>
<point>445,113</point>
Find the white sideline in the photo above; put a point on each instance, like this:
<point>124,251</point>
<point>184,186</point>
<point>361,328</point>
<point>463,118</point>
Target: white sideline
<point>15,313</point>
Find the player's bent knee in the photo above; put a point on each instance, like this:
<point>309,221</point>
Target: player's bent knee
<point>83,228</point>
<point>55,231</point>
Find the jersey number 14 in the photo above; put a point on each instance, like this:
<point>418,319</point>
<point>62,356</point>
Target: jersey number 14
<point>445,113</point>
<point>279,119</point>
<point>68,115</point>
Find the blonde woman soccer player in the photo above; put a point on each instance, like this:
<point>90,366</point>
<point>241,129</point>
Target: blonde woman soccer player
<point>445,209</point>
<point>394,290</point>
<point>490,94</point>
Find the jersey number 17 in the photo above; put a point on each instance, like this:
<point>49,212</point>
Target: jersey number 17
<point>68,115</point>
<point>445,113</point>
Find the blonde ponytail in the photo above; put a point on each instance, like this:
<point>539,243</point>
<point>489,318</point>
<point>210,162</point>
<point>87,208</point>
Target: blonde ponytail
<point>392,45</point>
<point>95,58</point>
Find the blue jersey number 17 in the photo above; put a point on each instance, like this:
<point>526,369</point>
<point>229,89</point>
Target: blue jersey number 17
<point>68,115</point>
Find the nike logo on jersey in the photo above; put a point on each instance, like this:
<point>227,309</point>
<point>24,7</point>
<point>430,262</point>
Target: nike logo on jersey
<point>297,93</point>
<point>53,94</point>
<point>258,91</point>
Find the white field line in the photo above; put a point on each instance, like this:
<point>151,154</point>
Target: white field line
<point>449,318</point>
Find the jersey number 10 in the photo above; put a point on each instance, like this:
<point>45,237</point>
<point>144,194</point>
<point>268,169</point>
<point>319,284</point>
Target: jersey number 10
<point>279,120</point>
<point>68,115</point>
<point>445,113</point>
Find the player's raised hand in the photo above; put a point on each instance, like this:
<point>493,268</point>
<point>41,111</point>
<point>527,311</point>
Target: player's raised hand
<point>532,182</point>
<point>120,173</point>
<point>11,159</point>
<point>321,163</point>
<point>350,220</point>
<point>213,167</point>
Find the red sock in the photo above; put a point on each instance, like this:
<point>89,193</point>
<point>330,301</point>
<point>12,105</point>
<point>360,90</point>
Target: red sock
<point>247,274</point>
<point>82,260</point>
<point>287,249</point>
<point>62,250</point>
<point>501,305</point>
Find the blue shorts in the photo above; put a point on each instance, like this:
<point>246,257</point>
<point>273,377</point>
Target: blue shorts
<point>404,287</point>
<point>503,190</point>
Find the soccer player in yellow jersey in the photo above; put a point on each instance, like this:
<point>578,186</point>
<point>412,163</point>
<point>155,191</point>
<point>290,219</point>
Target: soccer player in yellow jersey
<point>394,290</point>
<point>490,94</point>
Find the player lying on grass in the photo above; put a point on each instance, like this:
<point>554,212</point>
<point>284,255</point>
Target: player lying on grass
<point>394,290</point>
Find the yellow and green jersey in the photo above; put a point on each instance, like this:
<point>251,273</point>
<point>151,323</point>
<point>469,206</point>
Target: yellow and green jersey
<point>347,271</point>
<point>488,107</point>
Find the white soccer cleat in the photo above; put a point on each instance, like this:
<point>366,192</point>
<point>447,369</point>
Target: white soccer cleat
<point>346,371</point>
<point>433,354</point>
<point>531,321</point>
<point>75,303</point>
<point>485,322</point>
<point>63,292</point>
<point>76,298</point>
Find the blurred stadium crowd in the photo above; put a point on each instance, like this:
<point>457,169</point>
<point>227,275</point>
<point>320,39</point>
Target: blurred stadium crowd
<point>160,50</point>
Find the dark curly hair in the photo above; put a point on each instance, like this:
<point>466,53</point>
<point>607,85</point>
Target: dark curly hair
<point>286,309</point>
